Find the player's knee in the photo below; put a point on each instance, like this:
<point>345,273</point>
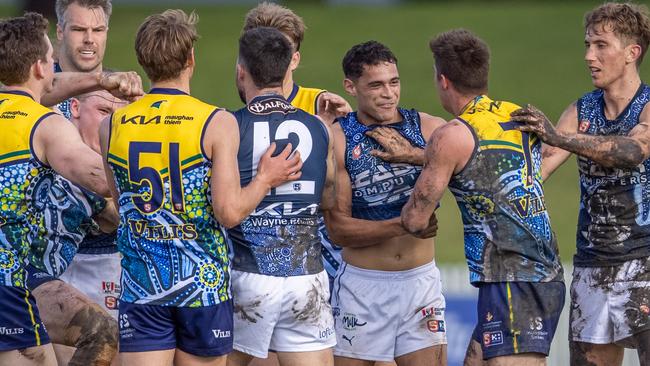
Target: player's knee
<point>97,341</point>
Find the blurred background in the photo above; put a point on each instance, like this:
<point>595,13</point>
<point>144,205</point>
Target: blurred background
<point>537,57</point>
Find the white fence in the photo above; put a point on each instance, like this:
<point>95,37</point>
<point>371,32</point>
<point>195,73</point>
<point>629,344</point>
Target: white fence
<point>461,318</point>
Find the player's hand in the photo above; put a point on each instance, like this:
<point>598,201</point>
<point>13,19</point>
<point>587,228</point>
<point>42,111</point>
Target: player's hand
<point>279,169</point>
<point>430,231</point>
<point>534,121</point>
<point>332,106</point>
<point>397,149</point>
<point>123,85</point>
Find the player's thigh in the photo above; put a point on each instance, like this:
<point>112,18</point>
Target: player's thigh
<point>187,359</point>
<point>525,359</point>
<point>430,356</point>
<point>643,347</point>
<point>237,358</point>
<point>149,358</point>
<point>385,363</point>
<point>595,354</point>
<point>271,360</point>
<point>32,356</point>
<point>63,353</point>
<point>347,361</point>
<point>473,354</point>
<point>323,357</point>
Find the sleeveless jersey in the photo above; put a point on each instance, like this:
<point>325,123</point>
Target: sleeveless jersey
<point>63,107</point>
<point>507,231</point>
<point>614,218</point>
<point>280,238</point>
<point>379,188</point>
<point>306,99</point>
<point>174,251</point>
<point>21,180</point>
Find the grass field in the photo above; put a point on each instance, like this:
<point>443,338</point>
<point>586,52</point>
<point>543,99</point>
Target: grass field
<point>537,57</point>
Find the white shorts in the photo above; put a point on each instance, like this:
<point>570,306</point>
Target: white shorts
<point>610,304</point>
<point>381,315</point>
<point>284,314</point>
<point>98,277</point>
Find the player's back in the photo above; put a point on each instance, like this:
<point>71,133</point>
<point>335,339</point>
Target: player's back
<point>508,236</point>
<point>280,238</point>
<point>20,172</point>
<point>174,250</point>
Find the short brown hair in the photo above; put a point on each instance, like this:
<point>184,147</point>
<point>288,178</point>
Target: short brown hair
<point>164,43</point>
<point>275,16</point>
<point>22,43</point>
<point>62,6</point>
<point>629,23</point>
<point>463,58</point>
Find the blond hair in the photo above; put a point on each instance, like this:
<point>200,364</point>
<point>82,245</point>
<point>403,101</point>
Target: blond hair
<point>275,16</point>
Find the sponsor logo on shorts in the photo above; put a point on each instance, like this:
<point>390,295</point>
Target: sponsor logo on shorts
<point>11,331</point>
<point>492,338</point>
<point>350,321</point>
<point>110,302</point>
<point>432,311</point>
<point>112,290</point>
<point>125,326</point>
<point>325,333</point>
<point>435,326</point>
<point>536,326</point>
<point>489,316</point>
<point>348,339</point>
<point>218,333</point>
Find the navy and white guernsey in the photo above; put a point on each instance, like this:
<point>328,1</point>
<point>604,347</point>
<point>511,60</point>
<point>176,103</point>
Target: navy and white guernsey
<point>280,238</point>
<point>379,188</point>
<point>614,218</point>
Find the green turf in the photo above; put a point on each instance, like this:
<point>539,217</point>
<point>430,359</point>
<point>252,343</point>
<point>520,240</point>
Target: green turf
<point>537,57</point>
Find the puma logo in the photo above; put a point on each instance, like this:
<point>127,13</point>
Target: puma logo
<point>348,339</point>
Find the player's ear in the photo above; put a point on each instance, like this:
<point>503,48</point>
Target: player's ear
<point>74,107</point>
<point>38,69</point>
<point>349,87</point>
<point>190,60</point>
<point>59,32</point>
<point>632,53</point>
<point>295,60</point>
<point>442,80</point>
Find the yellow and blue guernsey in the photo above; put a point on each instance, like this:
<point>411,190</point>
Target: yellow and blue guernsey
<point>305,98</point>
<point>174,251</point>
<point>20,172</point>
<point>508,235</point>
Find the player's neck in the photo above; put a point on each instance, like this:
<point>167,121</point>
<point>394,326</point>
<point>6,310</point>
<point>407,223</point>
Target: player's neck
<point>32,90</point>
<point>180,84</point>
<point>619,93</point>
<point>264,91</point>
<point>287,85</point>
<point>462,103</point>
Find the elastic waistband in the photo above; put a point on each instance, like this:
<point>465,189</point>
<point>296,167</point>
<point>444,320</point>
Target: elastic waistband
<point>108,249</point>
<point>378,275</point>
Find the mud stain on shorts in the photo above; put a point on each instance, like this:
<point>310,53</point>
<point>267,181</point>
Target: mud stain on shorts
<point>249,311</point>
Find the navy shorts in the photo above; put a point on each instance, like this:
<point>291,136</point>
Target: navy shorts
<point>36,277</point>
<point>518,317</point>
<point>202,331</point>
<point>19,320</point>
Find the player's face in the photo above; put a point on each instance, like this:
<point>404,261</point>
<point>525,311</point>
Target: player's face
<point>83,37</point>
<point>48,66</point>
<point>89,113</point>
<point>377,92</point>
<point>605,55</point>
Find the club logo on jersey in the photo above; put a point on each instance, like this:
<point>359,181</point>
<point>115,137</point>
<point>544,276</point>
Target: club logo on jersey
<point>350,321</point>
<point>492,338</point>
<point>435,326</point>
<point>271,105</point>
<point>356,152</point>
<point>525,206</point>
<point>157,104</point>
<point>584,126</point>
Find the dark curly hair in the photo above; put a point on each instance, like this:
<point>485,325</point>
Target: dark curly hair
<point>365,54</point>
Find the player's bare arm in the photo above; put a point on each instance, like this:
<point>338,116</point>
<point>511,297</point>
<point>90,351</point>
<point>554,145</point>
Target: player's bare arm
<point>608,151</point>
<point>104,132</point>
<point>330,106</point>
<point>328,198</point>
<point>344,229</point>
<point>447,152</point>
<point>231,202</point>
<point>397,149</point>
<point>553,157</point>
<point>58,144</point>
<point>123,85</point>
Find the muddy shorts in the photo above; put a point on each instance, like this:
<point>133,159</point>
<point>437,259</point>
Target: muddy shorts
<point>381,315</point>
<point>518,317</point>
<point>98,277</point>
<point>284,314</point>
<point>610,304</point>
<point>19,320</point>
<point>202,331</point>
